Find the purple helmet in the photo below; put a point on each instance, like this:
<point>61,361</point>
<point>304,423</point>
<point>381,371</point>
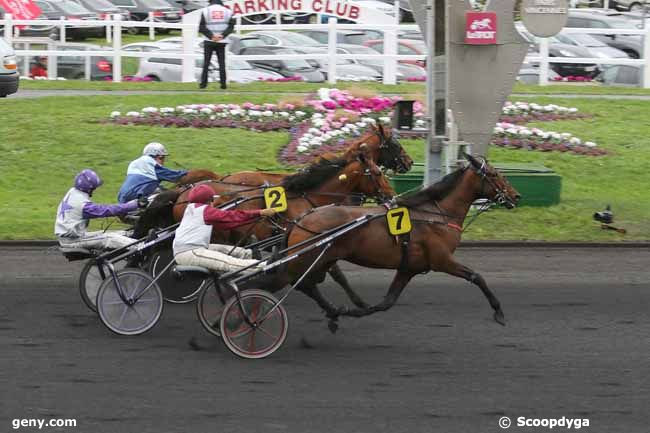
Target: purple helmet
<point>87,181</point>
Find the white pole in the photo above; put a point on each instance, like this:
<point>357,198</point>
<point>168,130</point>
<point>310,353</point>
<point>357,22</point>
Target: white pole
<point>390,62</point>
<point>606,4</point>
<point>109,37</point>
<point>9,29</point>
<point>238,24</point>
<point>152,34</point>
<point>26,46</point>
<point>62,30</point>
<point>543,64</point>
<point>188,33</point>
<point>645,81</point>
<point>331,50</point>
<point>52,62</point>
<point>117,48</point>
<point>87,68</point>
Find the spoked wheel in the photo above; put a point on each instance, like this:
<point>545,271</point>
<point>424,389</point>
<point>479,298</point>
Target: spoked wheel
<point>176,287</point>
<point>268,331</point>
<point>210,305</point>
<point>90,280</point>
<point>142,309</point>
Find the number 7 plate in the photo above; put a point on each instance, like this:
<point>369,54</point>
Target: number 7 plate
<point>399,221</point>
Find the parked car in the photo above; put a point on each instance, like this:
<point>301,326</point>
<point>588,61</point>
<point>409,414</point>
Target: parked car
<point>629,5</point>
<point>285,67</point>
<point>238,42</point>
<point>104,9</point>
<point>597,47</point>
<point>238,71</point>
<point>529,74</point>
<point>342,36</point>
<point>558,49</point>
<point>188,5</point>
<point>596,20</point>
<point>8,70</point>
<point>283,38</point>
<point>345,68</point>
<point>74,67</point>
<point>621,75</point>
<point>404,46</point>
<point>74,12</point>
<point>404,71</point>
<point>139,9</point>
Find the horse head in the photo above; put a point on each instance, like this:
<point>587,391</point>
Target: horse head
<point>365,176</point>
<point>490,184</point>
<point>384,148</point>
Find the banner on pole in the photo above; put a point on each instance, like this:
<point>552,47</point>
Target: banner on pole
<point>21,9</point>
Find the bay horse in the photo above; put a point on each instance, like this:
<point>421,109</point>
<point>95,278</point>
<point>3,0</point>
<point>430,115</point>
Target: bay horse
<point>437,215</point>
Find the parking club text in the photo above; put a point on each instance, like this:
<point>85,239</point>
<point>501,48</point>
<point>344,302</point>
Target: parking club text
<point>332,7</point>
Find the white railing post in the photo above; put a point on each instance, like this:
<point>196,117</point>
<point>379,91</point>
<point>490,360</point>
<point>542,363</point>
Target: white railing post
<point>543,64</point>
<point>26,71</point>
<point>390,51</point>
<point>278,19</point>
<point>87,68</point>
<point>109,37</point>
<point>152,33</point>
<point>645,80</point>
<point>237,25</point>
<point>331,50</point>
<point>52,62</point>
<point>606,4</point>
<point>9,29</point>
<point>188,33</point>
<point>117,48</point>
<point>62,30</point>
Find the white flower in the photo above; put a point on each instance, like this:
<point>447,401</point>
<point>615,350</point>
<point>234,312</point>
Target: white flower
<point>314,116</point>
<point>302,149</point>
<point>206,110</point>
<point>497,130</point>
<point>556,136</point>
<point>346,129</point>
<point>299,114</point>
<point>283,114</point>
<point>573,110</point>
<point>525,133</point>
<point>369,120</point>
<point>314,131</point>
<point>324,93</point>
<point>361,124</point>
<point>150,110</point>
<point>566,135</point>
<point>575,141</point>
<point>268,113</point>
<point>545,135</point>
<point>420,123</point>
<point>235,112</point>
<point>512,131</point>
<point>254,113</point>
<point>115,114</point>
<point>385,119</point>
<point>590,144</point>
<point>133,114</point>
<point>167,110</point>
<point>213,117</point>
<point>292,118</point>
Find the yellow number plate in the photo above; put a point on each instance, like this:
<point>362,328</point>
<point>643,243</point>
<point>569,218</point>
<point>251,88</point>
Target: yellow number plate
<point>275,198</point>
<point>399,221</point>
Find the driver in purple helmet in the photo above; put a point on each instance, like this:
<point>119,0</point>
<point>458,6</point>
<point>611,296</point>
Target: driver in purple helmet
<point>77,208</point>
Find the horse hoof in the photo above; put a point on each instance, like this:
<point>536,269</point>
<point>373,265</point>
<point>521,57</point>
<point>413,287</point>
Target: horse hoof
<point>333,326</point>
<point>500,318</point>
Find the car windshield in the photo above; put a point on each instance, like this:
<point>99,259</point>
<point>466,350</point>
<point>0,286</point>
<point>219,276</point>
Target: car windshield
<point>294,64</point>
<point>102,5</point>
<point>44,6</point>
<point>72,8</point>
<point>251,42</point>
<point>365,50</point>
<point>297,40</point>
<point>156,4</point>
<point>582,39</point>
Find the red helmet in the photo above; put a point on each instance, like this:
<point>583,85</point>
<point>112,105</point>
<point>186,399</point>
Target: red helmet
<point>201,194</point>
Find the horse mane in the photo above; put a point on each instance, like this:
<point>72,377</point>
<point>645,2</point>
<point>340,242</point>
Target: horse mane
<point>437,191</point>
<point>313,175</point>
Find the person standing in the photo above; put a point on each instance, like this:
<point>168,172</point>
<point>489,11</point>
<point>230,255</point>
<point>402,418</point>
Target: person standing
<point>216,24</point>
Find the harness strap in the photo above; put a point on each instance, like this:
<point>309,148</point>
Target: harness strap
<point>404,241</point>
<point>455,227</point>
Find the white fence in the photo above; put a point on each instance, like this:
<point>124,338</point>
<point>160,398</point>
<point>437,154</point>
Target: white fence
<point>390,56</point>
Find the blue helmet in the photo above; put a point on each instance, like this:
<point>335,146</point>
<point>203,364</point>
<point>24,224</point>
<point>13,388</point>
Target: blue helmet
<point>87,181</point>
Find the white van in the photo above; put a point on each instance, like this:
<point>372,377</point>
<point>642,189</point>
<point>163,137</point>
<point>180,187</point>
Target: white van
<point>8,70</point>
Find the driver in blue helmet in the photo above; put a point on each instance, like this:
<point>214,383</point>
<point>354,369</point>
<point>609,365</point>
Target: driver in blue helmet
<point>77,208</point>
<point>144,175</point>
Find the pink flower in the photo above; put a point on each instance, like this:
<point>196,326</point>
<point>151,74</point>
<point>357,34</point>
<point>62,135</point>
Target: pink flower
<point>330,105</point>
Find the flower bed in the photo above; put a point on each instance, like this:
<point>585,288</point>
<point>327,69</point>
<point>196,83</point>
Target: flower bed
<point>327,121</point>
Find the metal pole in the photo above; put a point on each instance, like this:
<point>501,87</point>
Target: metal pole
<point>117,48</point>
<point>152,34</point>
<point>331,50</point>
<point>436,108</point>
<point>543,64</point>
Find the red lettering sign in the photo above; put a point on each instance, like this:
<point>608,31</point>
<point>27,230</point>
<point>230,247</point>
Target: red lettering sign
<point>480,28</point>
<point>21,9</point>
<point>354,12</point>
<point>317,6</point>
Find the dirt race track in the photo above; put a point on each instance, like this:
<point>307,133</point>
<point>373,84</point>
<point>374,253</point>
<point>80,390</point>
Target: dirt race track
<point>577,345</point>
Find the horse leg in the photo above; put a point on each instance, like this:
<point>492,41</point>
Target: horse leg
<point>462,271</point>
<point>338,276</point>
<point>400,281</point>
<point>332,312</point>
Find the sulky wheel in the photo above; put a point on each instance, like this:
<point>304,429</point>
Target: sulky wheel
<point>210,305</point>
<point>177,288</point>
<point>268,331</point>
<point>90,280</point>
<point>142,308</point>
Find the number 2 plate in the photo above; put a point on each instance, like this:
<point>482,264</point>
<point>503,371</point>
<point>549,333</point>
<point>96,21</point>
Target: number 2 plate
<point>399,221</point>
<point>275,198</point>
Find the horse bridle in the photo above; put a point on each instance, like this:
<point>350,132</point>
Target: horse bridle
<point>501,196</point>
<point>368,172</point>
<point>386,151</point>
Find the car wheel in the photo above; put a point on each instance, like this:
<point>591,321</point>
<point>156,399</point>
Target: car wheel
<point>153,78</point>
<point>3,96</point>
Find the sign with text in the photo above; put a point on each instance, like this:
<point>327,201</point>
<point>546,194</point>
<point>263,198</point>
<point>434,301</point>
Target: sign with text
<point>544,18</point>
<point>480,28</point>
<point>21,9</point>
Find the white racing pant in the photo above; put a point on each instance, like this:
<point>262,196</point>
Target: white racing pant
<point>99,240</point>
<point>217,258</point>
